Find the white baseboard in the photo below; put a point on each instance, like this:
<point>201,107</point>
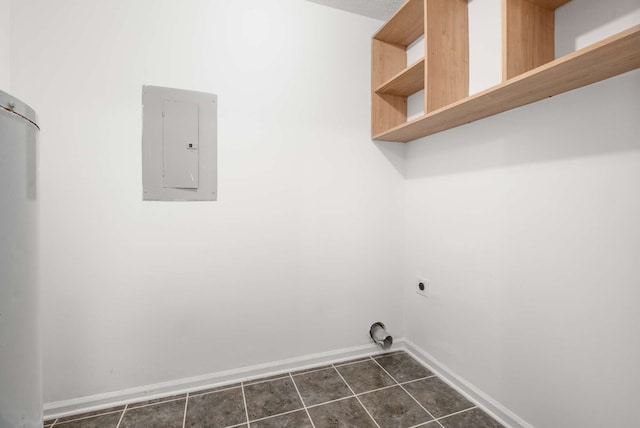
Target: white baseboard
<point>166,389</point>
<point>485,402</point>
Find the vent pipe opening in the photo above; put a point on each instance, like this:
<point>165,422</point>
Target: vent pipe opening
<point>380,335</point>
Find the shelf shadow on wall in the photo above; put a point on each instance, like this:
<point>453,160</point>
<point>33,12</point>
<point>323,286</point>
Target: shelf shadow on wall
<point>596,120</point>
<point>395,154</point>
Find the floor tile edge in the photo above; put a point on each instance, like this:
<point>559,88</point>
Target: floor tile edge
<point>467,389</point>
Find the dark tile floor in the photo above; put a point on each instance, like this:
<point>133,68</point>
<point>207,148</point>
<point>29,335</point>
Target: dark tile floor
<point>389,390</point>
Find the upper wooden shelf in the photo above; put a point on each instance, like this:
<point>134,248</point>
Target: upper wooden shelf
<point>407,82</point>
<point>607,58</point>
<point>549,4</point>
<point>405,26</point>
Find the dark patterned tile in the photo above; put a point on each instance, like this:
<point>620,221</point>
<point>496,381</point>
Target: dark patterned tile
<point>321,386</point>
<point>163,415</point>
<point>88,414</point>
<point>475,418</point>
<point>297,419</point>
<point>394,408</point>
<point>271,398</point>
<point>402,367</point>
<point>346,413</point>
<point>109,420</point>
<point>158,400</point>
<point>437,397</point>
<point>217,409</point>
<point>365,376</point>
<point>217,388</point>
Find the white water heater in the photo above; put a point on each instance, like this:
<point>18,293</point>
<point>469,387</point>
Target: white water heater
<point>20,355</point>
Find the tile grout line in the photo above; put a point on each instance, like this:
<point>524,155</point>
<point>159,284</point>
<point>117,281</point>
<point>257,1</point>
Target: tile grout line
<point>458,412</point>
<point>297,410</point>
<point>206,392</point>
<point>357,398</point>
<point>416,380</point>
<point>381,389</point>
<point>276,415</point>
<point>302,401</point>
<point>134,406</point>
<point>237,425</point>
<point>407,392</point>
<point>319,369</point>
<point>375,390</point>
<point>268,379</point>
<point>424,424</point>
<point>82,418</point>
<point>184,417</point>
<point>126,406</point>
<point>332,401</point>
<point>350,363</point>
<point>246,409</point>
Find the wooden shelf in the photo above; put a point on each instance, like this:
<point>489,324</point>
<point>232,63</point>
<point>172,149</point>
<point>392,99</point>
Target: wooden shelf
<point>405,26</point>
<point>443,72</point>
<point>549,4</point>
<point>407,82</point>
<point>607,58</point>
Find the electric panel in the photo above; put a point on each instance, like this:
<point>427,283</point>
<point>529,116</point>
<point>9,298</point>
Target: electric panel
<point>179,145</point>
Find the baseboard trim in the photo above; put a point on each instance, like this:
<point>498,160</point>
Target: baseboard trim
<point>471,392</point>
<point>92,403</point>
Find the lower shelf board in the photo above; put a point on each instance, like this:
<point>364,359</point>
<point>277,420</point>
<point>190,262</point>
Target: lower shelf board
<point>608,58</point>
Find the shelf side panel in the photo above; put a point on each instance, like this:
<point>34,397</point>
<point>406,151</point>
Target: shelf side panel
<point>387,111</point>
<point>446,52</point>
<point>528,37</point>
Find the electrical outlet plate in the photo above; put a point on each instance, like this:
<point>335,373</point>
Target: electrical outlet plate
<point>426,289</point>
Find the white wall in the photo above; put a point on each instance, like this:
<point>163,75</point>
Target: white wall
<point>303,250</point>
<point>5,33</point>
<point>527,225</point>
<point>485,44</point>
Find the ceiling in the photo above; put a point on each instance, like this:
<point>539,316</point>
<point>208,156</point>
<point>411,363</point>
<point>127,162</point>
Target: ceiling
<point>378,9</point>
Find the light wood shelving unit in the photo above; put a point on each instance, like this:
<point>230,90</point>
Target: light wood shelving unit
<point>443,72</point>
<point>530,72</point>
